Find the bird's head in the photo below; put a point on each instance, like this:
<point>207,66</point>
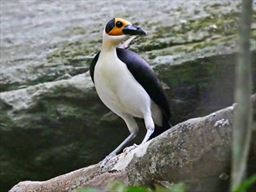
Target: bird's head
<point>118,30</point>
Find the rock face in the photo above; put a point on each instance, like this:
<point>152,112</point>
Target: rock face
<point>51,120</point>
<point>196,152</point>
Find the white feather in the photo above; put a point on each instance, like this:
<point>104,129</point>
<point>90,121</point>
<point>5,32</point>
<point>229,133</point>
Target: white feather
<point>118,89</point>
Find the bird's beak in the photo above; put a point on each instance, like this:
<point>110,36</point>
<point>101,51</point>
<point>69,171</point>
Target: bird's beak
<point>133,30</point>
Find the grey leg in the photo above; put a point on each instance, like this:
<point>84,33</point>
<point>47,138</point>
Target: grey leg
<point>123,144</point>
<point>133,128</point>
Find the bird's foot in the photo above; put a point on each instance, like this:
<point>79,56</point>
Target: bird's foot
<point>130,148</point>
<point>108,161</point>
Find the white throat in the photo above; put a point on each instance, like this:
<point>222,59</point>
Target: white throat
<point>111,42</point>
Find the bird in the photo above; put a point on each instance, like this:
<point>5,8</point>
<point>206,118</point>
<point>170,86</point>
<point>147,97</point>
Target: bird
<point>127,84</point>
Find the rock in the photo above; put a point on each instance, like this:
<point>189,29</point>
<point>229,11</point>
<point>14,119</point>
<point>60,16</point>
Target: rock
<point>195,152</point>
<point>51,120</point>
<point>58,122</point>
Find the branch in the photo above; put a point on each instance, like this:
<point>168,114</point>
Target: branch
<point>197,152</point>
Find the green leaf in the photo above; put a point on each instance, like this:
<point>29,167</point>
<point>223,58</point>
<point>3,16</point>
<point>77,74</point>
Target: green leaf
<point>117,187</point>
<point>246,184</point>
<point>138,189</point>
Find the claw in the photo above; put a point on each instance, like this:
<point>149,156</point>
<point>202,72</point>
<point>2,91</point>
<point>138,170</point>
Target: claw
<point>108,161</point>
<point>130,148</point>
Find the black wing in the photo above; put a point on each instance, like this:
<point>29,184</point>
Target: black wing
<point>143,73</point>
<point>92,66</point>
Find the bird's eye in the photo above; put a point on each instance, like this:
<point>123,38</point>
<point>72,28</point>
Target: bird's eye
<point>119,24</point>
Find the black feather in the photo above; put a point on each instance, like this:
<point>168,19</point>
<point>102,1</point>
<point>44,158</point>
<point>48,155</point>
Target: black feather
<point>110,25</point>
<point>143,73</point>
<point>92,66</point>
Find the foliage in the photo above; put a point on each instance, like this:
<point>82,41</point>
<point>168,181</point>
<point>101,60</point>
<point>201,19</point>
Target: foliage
<point>247,184</point>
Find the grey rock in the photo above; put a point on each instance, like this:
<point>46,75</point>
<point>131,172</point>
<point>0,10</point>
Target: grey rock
<point>51,120</point>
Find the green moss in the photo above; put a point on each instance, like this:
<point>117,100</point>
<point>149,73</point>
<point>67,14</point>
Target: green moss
<point>224,24</point>
<point>73,53</point>
<point>193,35</point>
<point>152,45</point>
<point>77,30</point>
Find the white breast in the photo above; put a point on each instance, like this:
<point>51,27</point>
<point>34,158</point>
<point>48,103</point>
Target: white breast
<point>118,89</point>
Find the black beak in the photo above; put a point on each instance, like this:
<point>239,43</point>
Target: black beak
<point>133,30</point>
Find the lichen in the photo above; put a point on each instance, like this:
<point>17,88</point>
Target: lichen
<point>222,123</point>
<point>77,53</point>
<point>191,36</point>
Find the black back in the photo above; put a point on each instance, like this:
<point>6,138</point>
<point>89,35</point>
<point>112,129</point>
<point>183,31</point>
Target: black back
<point>143,73</point>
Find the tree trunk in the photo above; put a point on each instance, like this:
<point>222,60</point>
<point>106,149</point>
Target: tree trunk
<point>243,114</point>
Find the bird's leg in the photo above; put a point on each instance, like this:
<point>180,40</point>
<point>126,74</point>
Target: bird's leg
<point>118,149</point>
<point>150,126</point>
<point>124,143</point>
<point>133,128</point>
<point>148,134</point>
